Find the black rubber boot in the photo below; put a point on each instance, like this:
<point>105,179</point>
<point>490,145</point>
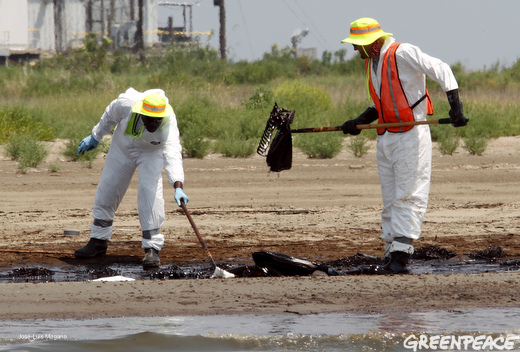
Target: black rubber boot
<point>151,258</point>
<point>396,265</point>
<point>93,248</point>
<point>398,262</point>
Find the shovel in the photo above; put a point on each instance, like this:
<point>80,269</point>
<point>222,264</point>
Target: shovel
<point>218,272</point>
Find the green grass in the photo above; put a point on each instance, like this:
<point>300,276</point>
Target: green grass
<point>223,106</point>
<point>17,119</point>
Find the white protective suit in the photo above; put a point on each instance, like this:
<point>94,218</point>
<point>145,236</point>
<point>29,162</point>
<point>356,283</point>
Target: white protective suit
<point>404,159</point>
<point>149,153</point>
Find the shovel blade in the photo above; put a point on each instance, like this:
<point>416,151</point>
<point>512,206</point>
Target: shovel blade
<point>222,274</point>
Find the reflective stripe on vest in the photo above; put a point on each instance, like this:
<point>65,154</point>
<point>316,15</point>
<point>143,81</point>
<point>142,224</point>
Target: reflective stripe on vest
<point>393,105</point>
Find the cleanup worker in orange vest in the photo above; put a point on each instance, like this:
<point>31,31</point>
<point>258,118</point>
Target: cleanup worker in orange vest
<point>396,80</point>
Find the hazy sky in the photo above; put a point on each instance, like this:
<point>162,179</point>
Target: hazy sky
<point>477,33</point>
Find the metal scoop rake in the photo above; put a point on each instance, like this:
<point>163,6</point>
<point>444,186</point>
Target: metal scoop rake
<point>218,272</point>
<point>279,155</point>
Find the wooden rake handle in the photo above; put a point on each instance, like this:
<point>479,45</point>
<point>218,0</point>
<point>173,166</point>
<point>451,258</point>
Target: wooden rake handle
<point>373,125</point>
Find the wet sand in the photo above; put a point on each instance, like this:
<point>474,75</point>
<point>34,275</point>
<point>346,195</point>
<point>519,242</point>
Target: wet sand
<point>292,295</point>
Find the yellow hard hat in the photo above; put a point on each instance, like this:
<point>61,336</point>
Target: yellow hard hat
<point>153,105</point>
<point>364,31</point>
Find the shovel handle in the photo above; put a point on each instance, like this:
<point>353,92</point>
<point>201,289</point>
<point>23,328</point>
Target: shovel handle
<point>374,125</point>
<point>197,232</point>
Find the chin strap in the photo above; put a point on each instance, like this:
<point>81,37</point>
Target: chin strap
<point>368,64</point>
<point>139,133</point>
<point>132,128</point>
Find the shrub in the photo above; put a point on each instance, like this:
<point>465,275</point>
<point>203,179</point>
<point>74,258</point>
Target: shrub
<point>302,97</point>
<point>197,113</point>
<point>357,144</point>
<point>194,144</point>
<point>71,151</point>
<point>236,147</point>
<point>262,98</point>
<point>259,72</point>
<point>448,145</point>
<point>26,149</point>
<point>249,124</point>
<point>475,145</point>
<point>491,120</point>
<point>320,145</point>
<point>446,138</point>
<point>54,168</point>
<point>19,120</point>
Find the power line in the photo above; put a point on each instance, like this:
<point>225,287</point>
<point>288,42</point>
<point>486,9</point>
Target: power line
<point>247,30</point>
<point>320,37</point>
<point>312,23</point>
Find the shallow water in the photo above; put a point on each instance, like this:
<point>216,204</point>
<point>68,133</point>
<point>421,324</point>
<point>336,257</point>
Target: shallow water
<point>287,332</point>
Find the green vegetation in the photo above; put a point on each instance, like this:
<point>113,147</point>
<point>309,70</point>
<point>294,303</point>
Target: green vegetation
<point>26,149</point>
<point>71,151</point>
<point>16,119</point>
<point>320,145</point>
<point>54,168</point>
<point>449,144</point>
<point>475,145</point>
<point>357,145</point>
<point>223,106</point>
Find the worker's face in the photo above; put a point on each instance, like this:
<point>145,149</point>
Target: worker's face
<point>362,51</point>
<point>370,50</point>
<point>151,123</point>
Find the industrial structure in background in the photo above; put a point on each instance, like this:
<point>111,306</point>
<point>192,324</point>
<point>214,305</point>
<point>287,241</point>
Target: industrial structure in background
<point>179,34</point>
<point>298,35</point>
<point>30,28</point>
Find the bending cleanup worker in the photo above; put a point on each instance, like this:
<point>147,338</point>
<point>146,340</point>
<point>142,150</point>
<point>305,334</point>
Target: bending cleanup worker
<point>146,137</point>
<point>396,81</point>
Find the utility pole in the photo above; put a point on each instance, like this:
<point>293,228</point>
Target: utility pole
<point>139,40</point>
<point>222,34</point>
<point>170,29</point>
<point>111,18</point>
<point>59,20</point>
<point>102,19</point>
<point>89,16</point>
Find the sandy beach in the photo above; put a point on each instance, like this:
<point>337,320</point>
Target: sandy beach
<point>320,210</point>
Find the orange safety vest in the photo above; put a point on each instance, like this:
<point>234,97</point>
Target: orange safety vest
<point>393,105</point>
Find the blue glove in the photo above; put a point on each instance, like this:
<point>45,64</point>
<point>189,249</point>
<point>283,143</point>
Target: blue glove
<point>179,194</point>
<point>88,143</point>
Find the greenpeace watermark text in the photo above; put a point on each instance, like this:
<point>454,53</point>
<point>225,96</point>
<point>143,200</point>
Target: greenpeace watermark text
<point>460,343</point>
